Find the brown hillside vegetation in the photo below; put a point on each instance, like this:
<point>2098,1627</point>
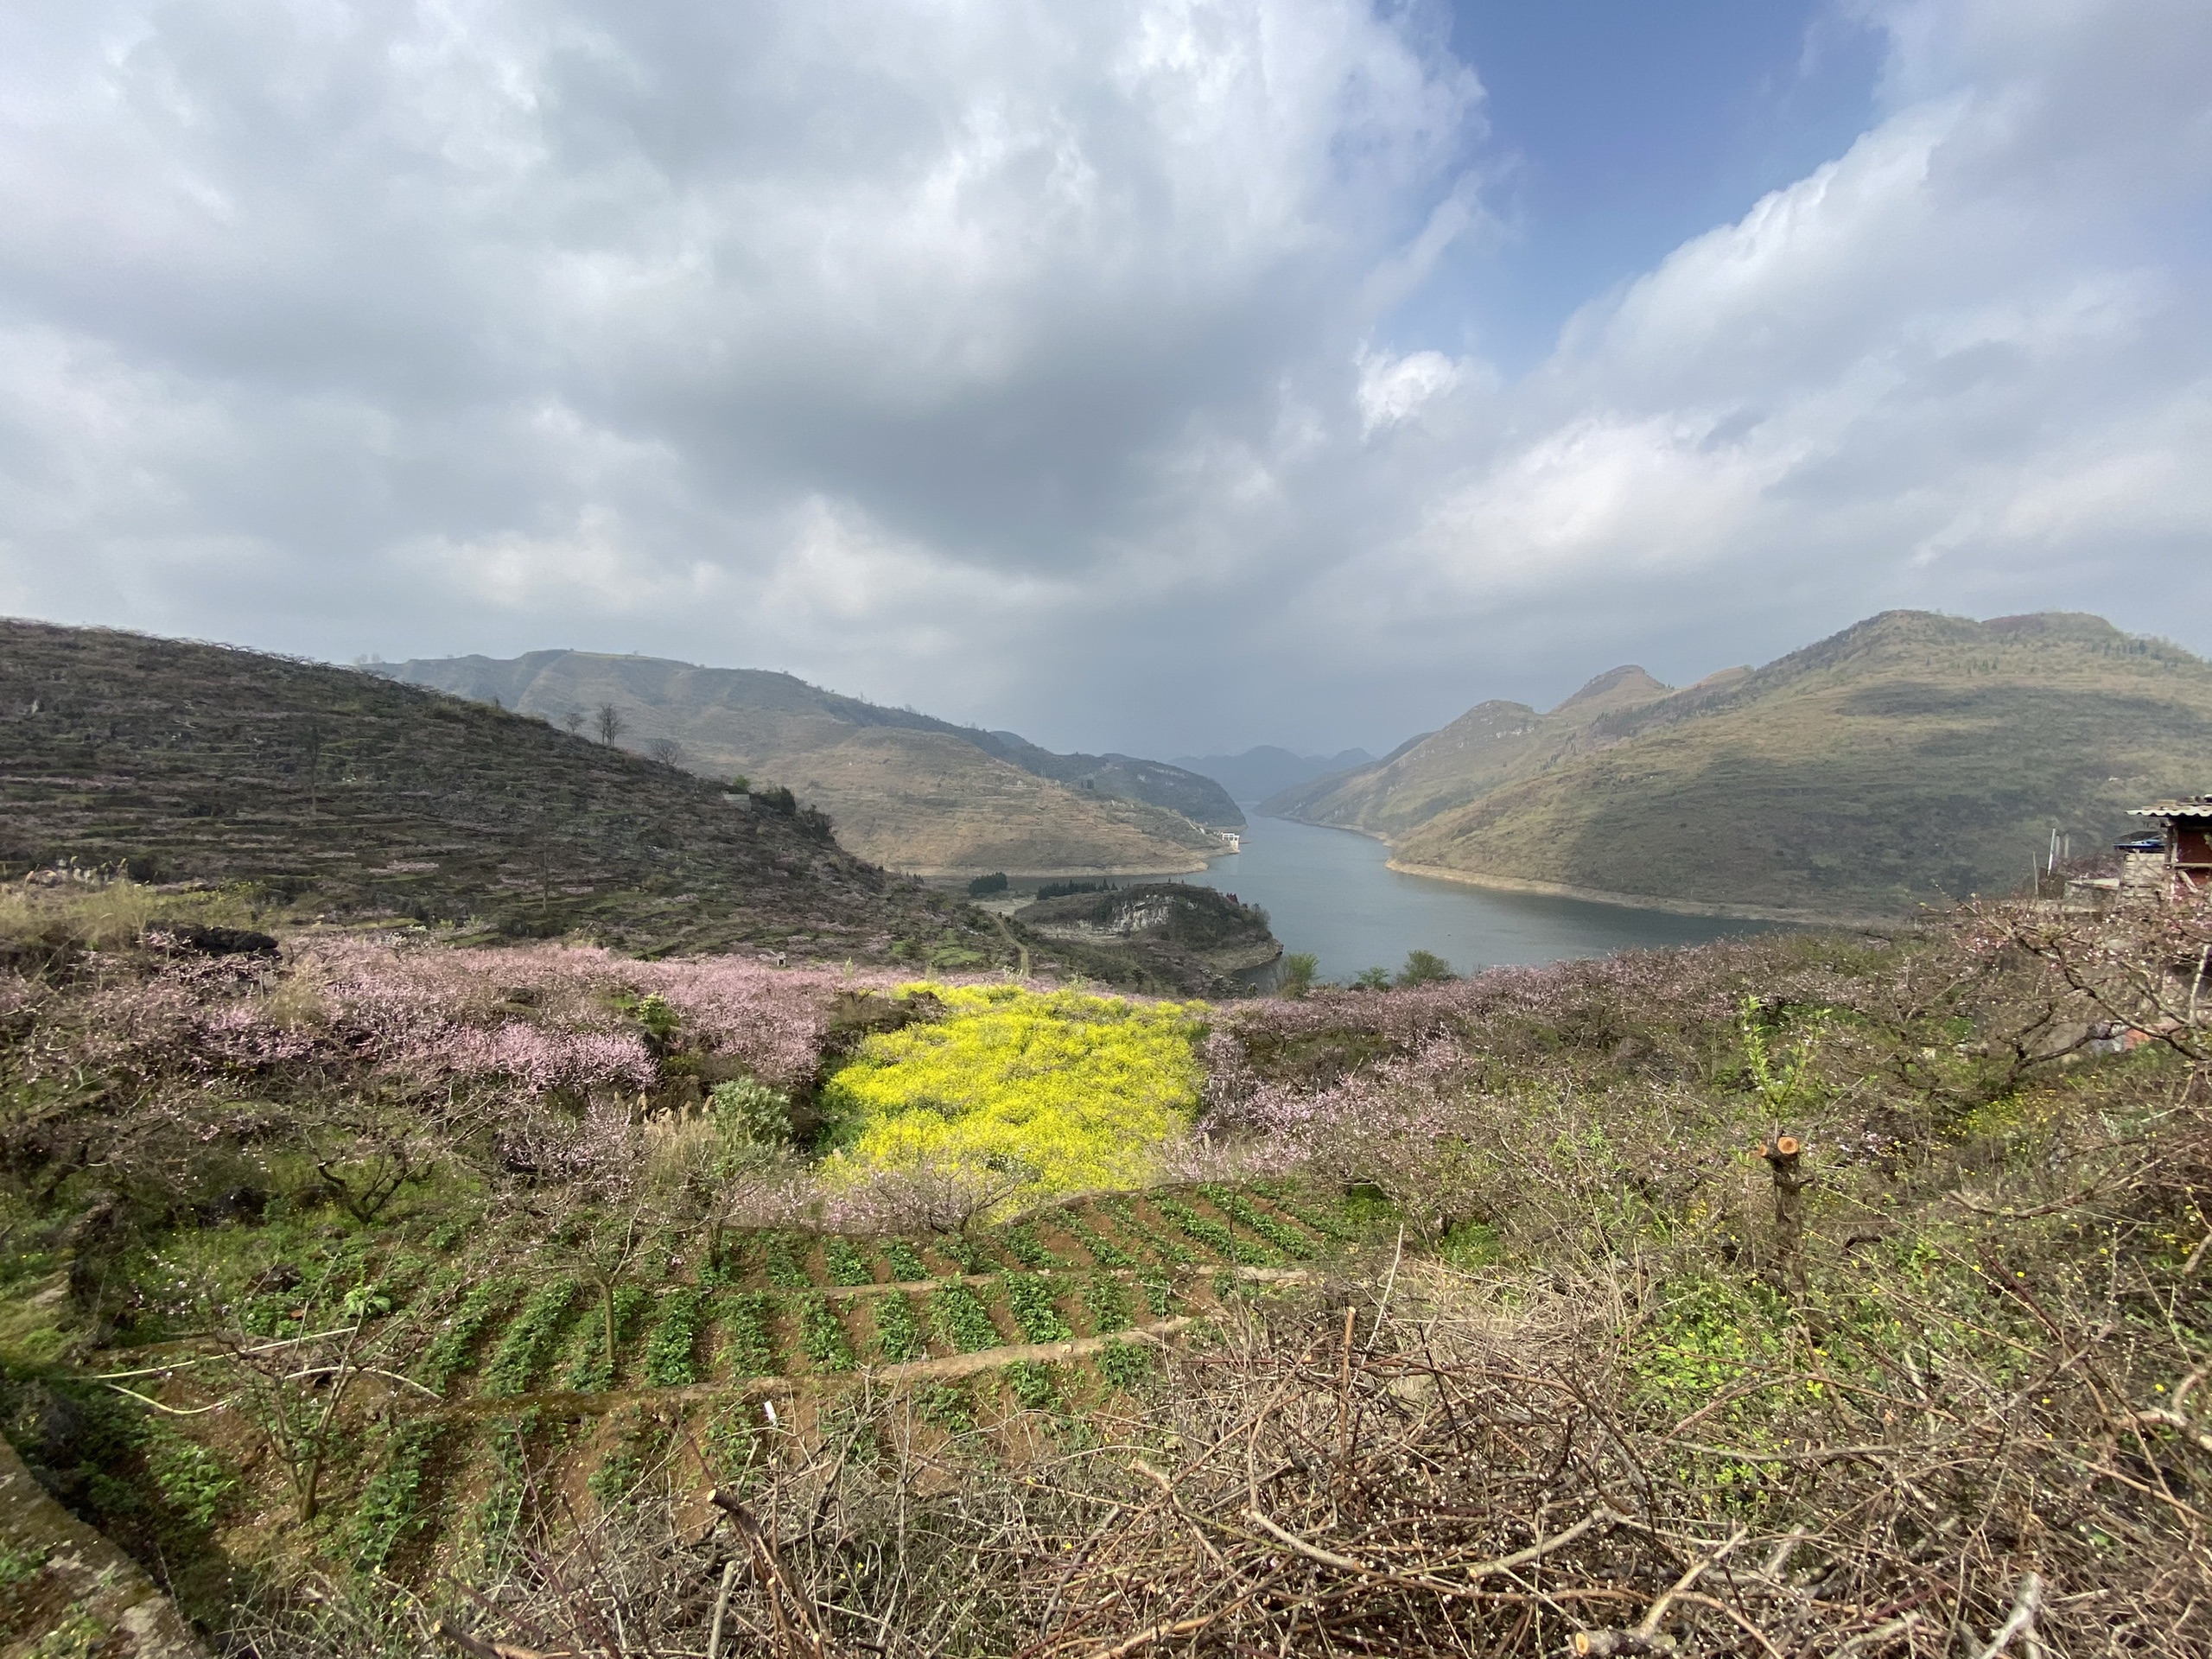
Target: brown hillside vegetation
<point>323,790</point>
<point>1910,757</point>
<point>909,792</point>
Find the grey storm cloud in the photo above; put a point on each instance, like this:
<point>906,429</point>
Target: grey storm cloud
<point>1035,363</point>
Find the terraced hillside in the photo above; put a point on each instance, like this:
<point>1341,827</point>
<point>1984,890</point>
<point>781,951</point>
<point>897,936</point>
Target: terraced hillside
<point>913,792</point>
<point>324,790</point>
<point>498,1397</point>
<point>1909,757</point>
<point>384,1299</point>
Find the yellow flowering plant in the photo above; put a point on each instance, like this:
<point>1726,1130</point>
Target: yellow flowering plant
<point>1055,1091</point>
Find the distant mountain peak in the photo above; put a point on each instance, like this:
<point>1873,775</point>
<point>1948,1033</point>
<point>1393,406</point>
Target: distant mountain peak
<point>1617,688</point>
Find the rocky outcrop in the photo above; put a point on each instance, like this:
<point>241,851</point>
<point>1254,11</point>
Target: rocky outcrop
<point>64,1588</point>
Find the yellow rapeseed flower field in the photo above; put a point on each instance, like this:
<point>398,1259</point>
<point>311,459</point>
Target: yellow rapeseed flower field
<point>1062,1091</point>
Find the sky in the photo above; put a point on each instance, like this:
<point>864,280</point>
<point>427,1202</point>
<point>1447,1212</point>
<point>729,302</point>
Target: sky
<point>1169,376</point>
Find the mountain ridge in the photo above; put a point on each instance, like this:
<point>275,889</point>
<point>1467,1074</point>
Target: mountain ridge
<point>1910,757</point>
<point>906,790</point>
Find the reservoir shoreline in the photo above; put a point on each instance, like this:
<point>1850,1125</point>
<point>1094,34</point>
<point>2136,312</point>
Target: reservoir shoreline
<point>1637,902</point>
<point>1605,896</point>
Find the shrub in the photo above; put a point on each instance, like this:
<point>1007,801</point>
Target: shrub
<point>1295,975</point>
<point>984,886</point>
<point>1049,1092</point>
<point>1425,968</point>
<point>748,1113</point>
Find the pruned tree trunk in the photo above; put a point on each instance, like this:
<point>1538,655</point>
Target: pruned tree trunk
<point>1784,1156</point>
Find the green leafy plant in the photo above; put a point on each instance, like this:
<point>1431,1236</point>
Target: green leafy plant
<point>1104,1304</point>
<point>782,1259</point>
<point>747,1319</point>
<point>1031,1300</point>
<point>1020,1242</point>
<point>669,1353</point>
<point>907,1267</point>
<point>390,1507</point>
<point>967,1253</point>
<point>1278,1232</point>
<point>1296,973</point>
<point>822,1334</point>
<point>1125,1365</point>
<point>949,1406</point>
<point>529,1340</point>
<point>898,1333</point>
<point>194,1480</point>
<point>1035,1385</point>
<point>450,1354</point>
<point>845,1261</point>
<point>961,1320</point>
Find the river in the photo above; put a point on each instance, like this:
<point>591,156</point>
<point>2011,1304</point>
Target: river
<point>1328,891</point>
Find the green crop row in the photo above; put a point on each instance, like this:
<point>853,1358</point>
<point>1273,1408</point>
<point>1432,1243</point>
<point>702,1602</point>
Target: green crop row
<point>1277,1231</point>
<point>822,1334</point>
<point>1104,1250</point>
<point>847,1265</point>
<point>529,1341</point>
<point>747,1318</point>
<point>449,1355</point>
<point>783,1260</point>
<point>1030,1297</point>
<point>1105,1305</point>
<point>670,1355</point>
<point>1155,1240</point>
<point>591,1368</point>
<point>1020,1242</point>
<point>961,1320</point>
<point>390,1504</point>
<point>898,1333</point>
<point>1211,1234</point>
<point>906,1264</point>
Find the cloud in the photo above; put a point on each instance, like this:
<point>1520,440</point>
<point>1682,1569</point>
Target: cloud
<point>1049,366</point>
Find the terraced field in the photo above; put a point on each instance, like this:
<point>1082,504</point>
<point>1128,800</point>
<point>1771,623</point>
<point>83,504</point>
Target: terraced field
<point>502,1399</point>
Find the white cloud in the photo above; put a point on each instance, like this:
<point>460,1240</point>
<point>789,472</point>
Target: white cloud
<point>1038,363</point>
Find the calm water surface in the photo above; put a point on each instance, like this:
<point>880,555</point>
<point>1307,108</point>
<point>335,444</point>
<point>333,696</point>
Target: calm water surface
<point>1327,890</point>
